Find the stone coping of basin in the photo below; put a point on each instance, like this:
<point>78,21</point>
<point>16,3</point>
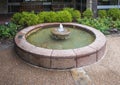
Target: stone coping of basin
<point>99,42</point>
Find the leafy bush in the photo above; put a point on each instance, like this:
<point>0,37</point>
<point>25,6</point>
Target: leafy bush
<point>28,19</point>
<point>74,13</point>
<point>101,24</point>
<point>116,24</point>
<point>114,13</point>
<point>8,30</point>
<point>47,17</point>
<point>85,21</point>
<point>88,13</point>
<point>51,17</point>
<point>16,18</point>
<point>63,16</point>
<point>41,16</point>
<point>102,13</point>
<point>25,18</point>
<point>70,10</point>
<point>60,16</point>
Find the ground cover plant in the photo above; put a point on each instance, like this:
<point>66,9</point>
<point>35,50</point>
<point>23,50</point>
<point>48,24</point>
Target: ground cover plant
<point>107,21</point>
<point>8,30</point>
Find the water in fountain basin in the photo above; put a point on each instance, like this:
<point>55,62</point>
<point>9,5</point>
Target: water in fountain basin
<point>78,38</point>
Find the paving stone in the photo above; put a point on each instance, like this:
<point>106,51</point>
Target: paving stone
<point>13,71</point>
<point>25,75</point>
<point>112,57</point>
<point>81,77</point>
<point>101,75</point>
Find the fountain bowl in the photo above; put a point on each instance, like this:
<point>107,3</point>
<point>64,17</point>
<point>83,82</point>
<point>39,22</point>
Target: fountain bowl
<point>60,59</point>
<point>60,35</point>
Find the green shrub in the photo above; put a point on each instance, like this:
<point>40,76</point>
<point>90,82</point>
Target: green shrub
<point>16,18</point>
<point>116,24</point>
<point>114,13</point>
<point>8,31</point>
<point>102,13</point>
<point>88,13</point>
<point>47,17</point>
<point>74,13</point>
<point>63,16</point>
<point>28,19</point>
<point>85,21</point>
<point>101,24</point>
<point>51,17</point>
<point>70,10</point>
<point>42,16</point>
<point>25,18</point>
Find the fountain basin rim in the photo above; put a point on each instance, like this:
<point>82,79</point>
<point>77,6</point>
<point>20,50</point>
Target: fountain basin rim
<point>60,59</point>
<point>99,42</point>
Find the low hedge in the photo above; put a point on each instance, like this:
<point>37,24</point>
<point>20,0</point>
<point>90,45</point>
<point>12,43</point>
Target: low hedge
<point>25,18</point>
<point>63,16</point>
<point>30,18</point>
<point>74,13</point>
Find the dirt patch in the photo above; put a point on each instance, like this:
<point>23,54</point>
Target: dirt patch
<point>5,43</point>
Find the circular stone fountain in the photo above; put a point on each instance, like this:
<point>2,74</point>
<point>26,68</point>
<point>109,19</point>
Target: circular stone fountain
<point>35,45</point>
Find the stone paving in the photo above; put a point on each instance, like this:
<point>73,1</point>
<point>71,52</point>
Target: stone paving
<point>13,71</point>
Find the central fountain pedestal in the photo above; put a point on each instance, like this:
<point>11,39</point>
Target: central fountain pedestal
<point>60,33</point>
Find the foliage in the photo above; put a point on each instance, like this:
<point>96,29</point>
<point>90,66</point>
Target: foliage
<point>25,18</point>
<point>47,17</point>
<point>63,16</point>
<point>114,13</point>
<point>102,13</point>
<point>101,24</point>
<point>28,18</point>
<point>116,24</point>
<point>88,13</point>
<point>74,13</point>
<point>50,17</point>
<point>8,30</point>
<point>16,18</point>
<point>41,16</point>
<point>70,10</point>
